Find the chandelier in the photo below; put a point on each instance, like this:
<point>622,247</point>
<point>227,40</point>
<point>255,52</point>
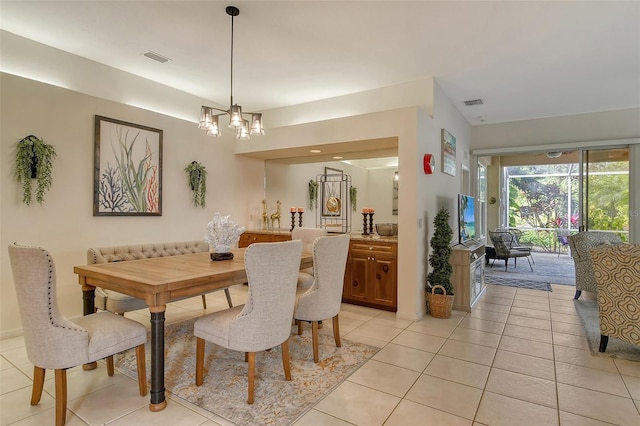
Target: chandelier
<point>209,115</point>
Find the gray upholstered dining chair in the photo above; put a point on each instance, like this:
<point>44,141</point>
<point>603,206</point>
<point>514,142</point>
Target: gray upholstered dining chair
<point>322,300</point>
<point>307,236</point>
<point>52,341</point>
<point>264,322</point>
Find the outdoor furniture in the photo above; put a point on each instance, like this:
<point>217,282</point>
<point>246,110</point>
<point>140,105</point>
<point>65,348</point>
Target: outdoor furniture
<point>562,236</point>
<point>322,300</point>
<point>499,240</point>
<point>55,342</point>
<point>265,321</point>
<point>617,274</point>
<point>580,245</point>
<point>511,237</point>
<point>162,280</point>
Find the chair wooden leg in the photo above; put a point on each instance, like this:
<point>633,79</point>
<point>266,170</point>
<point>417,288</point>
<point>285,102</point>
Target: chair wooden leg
<point>226,293</point>
<point>314,338</point>
<point>204,302</point>
<point>199,361</point>
<point>299,328</point>
<point>252,378</point>
<point>38,384</point>
<point>336,331</point>
<point>61,396</point>
<point>246,357</point>
<point>142,369</point>
<point>286,361</point>
<point>110,370</point>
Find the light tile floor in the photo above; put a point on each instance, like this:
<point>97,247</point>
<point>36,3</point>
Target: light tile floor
<point>520,358</point>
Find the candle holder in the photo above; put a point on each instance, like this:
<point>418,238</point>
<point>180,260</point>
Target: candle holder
<point>300,219</point>
<point>293,220</point>
<point>371,223</point>
<point>364,224</point>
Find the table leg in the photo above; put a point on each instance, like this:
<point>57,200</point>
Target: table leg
<point>158,401</point>
<point>89,307</point>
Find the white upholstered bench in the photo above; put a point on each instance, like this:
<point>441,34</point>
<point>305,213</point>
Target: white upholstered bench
<point>120,303</point>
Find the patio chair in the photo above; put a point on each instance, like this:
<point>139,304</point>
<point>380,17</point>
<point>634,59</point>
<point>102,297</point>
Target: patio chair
<point>562,236</point>
<point>512,237</point>
<point>500,240</point>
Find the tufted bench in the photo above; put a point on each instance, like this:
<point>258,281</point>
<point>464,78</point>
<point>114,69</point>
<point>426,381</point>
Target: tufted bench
<point>112,301</point>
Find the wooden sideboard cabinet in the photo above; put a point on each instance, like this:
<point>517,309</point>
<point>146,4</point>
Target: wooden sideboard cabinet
<point>468,275</point>
<point>370,278</point>
<point>249,237</point>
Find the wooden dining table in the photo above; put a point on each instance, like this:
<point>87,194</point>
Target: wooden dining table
<point>159,281</point>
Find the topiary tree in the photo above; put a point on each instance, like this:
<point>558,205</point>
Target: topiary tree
<point>439,259</point>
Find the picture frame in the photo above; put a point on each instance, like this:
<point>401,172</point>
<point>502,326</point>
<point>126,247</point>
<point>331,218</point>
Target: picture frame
<point>127,169</point>
<point>332,197</point>
<point>448,153</point>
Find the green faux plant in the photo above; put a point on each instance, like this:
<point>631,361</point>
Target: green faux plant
<point>313,194</point>
<point>197,175</point>
<point>34,160</point>
<point>353,195</point>
<point>439,259</point>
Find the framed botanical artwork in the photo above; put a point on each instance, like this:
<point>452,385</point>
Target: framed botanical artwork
<point>127,169</point>
<point>332,197</point>
<point>448,153</point>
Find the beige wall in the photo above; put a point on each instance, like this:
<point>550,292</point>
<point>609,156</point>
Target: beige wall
<point>64,224</point>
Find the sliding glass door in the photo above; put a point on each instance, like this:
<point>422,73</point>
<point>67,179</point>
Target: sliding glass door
<point>604,191</point>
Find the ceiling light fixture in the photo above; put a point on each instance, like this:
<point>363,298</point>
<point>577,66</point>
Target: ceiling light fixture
<point>208,117</point>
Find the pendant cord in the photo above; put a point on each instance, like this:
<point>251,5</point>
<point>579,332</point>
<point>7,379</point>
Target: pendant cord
<point>231,90</point>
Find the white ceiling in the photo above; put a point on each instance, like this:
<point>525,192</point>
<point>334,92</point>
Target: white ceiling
<point>524,59</point>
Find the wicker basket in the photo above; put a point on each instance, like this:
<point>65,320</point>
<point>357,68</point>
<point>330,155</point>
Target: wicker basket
<point>440,305</point>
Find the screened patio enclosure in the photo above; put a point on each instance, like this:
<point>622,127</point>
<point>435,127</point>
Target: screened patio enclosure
<point>546,202</point>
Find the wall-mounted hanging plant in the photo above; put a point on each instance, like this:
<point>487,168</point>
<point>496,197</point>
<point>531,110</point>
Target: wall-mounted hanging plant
<point>197,175</point>
<point>313,194</point>
<point>353,196</point>
<point>34,160</point>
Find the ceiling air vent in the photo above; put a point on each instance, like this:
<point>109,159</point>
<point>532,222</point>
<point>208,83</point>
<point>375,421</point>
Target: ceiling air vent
<point>473,102</point>
<point>156,57</point>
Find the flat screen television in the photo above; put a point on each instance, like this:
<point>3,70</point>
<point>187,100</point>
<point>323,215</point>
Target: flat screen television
<point>466,218</point>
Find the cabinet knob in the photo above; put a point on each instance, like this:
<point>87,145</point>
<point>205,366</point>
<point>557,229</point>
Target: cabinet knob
<point>370,248</point>
<point>355,283</point>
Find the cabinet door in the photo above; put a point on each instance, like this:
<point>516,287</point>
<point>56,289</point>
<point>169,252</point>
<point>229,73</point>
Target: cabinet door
<point>383,278</point>
<point>356,288</point>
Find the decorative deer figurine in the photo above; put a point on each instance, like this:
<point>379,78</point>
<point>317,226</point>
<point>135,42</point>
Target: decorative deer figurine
<point>276,216</point>
<point>265,215</point>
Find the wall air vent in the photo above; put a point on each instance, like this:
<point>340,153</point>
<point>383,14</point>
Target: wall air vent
<point>156,57</point>
<point>473,102</point>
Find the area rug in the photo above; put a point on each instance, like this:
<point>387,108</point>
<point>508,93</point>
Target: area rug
<point>616,348</point>
<point>224,391</point>
<point>515,282</point>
